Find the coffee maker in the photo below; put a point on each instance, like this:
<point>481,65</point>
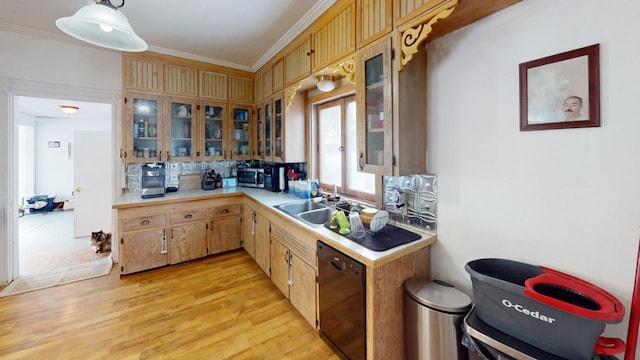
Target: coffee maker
<point>153,178</point>
<point>274,178</point>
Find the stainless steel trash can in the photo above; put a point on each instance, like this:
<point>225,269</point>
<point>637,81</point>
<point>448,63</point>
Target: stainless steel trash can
<point>433,315</point>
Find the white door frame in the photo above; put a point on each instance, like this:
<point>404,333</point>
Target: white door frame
<point>9,89</point>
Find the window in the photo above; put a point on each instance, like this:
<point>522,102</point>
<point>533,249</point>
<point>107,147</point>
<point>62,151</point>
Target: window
<point>337,145</point>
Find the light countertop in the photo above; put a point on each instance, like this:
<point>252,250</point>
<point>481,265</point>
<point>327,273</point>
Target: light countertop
<point>270,199</point>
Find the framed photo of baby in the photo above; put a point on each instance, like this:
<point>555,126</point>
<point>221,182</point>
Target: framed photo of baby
<point>561,91</point>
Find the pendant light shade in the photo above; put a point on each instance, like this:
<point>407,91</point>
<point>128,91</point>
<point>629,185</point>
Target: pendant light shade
<point>69,109</point>
<point>102,24</point>
<point>326,83</point>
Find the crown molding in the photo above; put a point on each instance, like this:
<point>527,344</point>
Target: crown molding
<point>320,7</point>
<point>204,59</point>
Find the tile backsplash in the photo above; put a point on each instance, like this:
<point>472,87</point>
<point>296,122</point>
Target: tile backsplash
<point>175,169</point>
<point>412,199</point>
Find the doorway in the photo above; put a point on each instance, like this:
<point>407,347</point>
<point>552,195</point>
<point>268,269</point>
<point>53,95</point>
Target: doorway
<point>65,160</point>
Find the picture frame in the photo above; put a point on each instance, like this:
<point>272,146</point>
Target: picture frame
<point>561,91</point>
<point>54,144</point>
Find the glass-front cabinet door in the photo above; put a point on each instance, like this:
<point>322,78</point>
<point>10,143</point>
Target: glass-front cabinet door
<point>241,139</point>
<point>373,89</point>
<point>181,127</point>
<point>143,128</point>
<point>213,120</point>
<point>278,129</point>
<point>268,140</point>
<point>259,155</point>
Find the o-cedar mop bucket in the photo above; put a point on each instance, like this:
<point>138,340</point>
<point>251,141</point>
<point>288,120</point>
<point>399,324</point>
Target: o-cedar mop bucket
<point>548,309</point>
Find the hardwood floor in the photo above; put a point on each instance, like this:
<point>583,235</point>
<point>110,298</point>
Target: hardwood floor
<point>221,307</point>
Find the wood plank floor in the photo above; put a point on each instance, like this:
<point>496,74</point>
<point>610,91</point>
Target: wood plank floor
<point>221,307</point>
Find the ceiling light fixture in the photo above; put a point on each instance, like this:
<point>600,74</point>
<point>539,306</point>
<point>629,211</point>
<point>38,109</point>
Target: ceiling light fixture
<point>102,24</point>
<point>326,83</point>
<point>69,109</point>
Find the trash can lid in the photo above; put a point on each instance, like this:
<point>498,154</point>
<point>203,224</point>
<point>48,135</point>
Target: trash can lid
<point>437,295</point>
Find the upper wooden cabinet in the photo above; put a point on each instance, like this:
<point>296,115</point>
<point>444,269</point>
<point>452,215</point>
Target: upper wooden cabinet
<point>373,94</point>
<point>142,128</point>
<point>392,120</point>
<point>406,10</point>
<point>297,63</point>
<point>280,130</point>
<point>181,81</point>
<point>267,86</point>
<point>213,85</point>
<point>335,39</point>
<point>278,75</point>
<point>240,89</point>
<point>144,75</point>
<point>258,88</point>
<point>180,129</point>
<point>374,19</point>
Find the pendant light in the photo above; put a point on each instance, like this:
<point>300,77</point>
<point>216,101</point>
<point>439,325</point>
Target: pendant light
<point>102,24</point>
<point>326,83</point>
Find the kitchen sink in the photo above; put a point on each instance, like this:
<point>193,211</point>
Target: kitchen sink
<point>312,213</point>
<point>298,207</point>
<point>316,217</point>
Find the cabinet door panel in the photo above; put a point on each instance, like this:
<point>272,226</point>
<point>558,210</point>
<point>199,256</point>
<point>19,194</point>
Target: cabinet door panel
<point>144,75</point>
<point>280,267</point>
<point>213,85</point>
<point>143,128</point>
<point>188,242</point>
<point>240,89</point>
<point>374,105</point>
<point>249,231</point>
<point>263,240</point>
<point>181,129</point>
<point>143,250</point>
<point>181,80</point>
<point>334,40</point>
<point>225,234</point>
<point>297,63</point>
<point>303,289</point>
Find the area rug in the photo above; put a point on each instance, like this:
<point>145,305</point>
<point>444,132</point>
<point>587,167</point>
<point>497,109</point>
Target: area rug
<point>61,276</point>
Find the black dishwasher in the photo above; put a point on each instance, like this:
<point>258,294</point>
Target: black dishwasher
<point>341,295</point>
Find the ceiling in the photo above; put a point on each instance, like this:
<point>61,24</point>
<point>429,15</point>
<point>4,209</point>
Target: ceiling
<point>50,108</point>
<point>242,34</point>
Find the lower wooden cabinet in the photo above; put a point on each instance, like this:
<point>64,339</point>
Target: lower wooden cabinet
<point>263,243</point>
<point>226,230</point>
<point>293,276</point>
<point>249,231</point>
<point>157,235</point>
<point>188,242</point>
<point>142,250</point>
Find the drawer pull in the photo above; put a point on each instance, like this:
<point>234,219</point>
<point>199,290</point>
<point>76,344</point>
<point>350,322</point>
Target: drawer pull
<point>188,216</point>
<point>225,211</point>
<point>145,222</point>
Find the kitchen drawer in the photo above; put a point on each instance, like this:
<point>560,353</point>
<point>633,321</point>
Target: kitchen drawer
<point>178,217</point>
<point>143,222</point>
<point>227,210</point>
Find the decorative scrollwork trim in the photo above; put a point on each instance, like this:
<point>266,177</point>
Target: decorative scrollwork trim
<point>412,38</point>
<point>290,92</point>
<point>348,69</point>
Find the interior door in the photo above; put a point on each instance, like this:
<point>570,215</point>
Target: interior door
<point>92,182</point>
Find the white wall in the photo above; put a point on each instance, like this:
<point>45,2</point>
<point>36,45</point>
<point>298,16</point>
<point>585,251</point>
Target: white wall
<point>42,67</point>
<point>54,168</point>
<point>568,199</point>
